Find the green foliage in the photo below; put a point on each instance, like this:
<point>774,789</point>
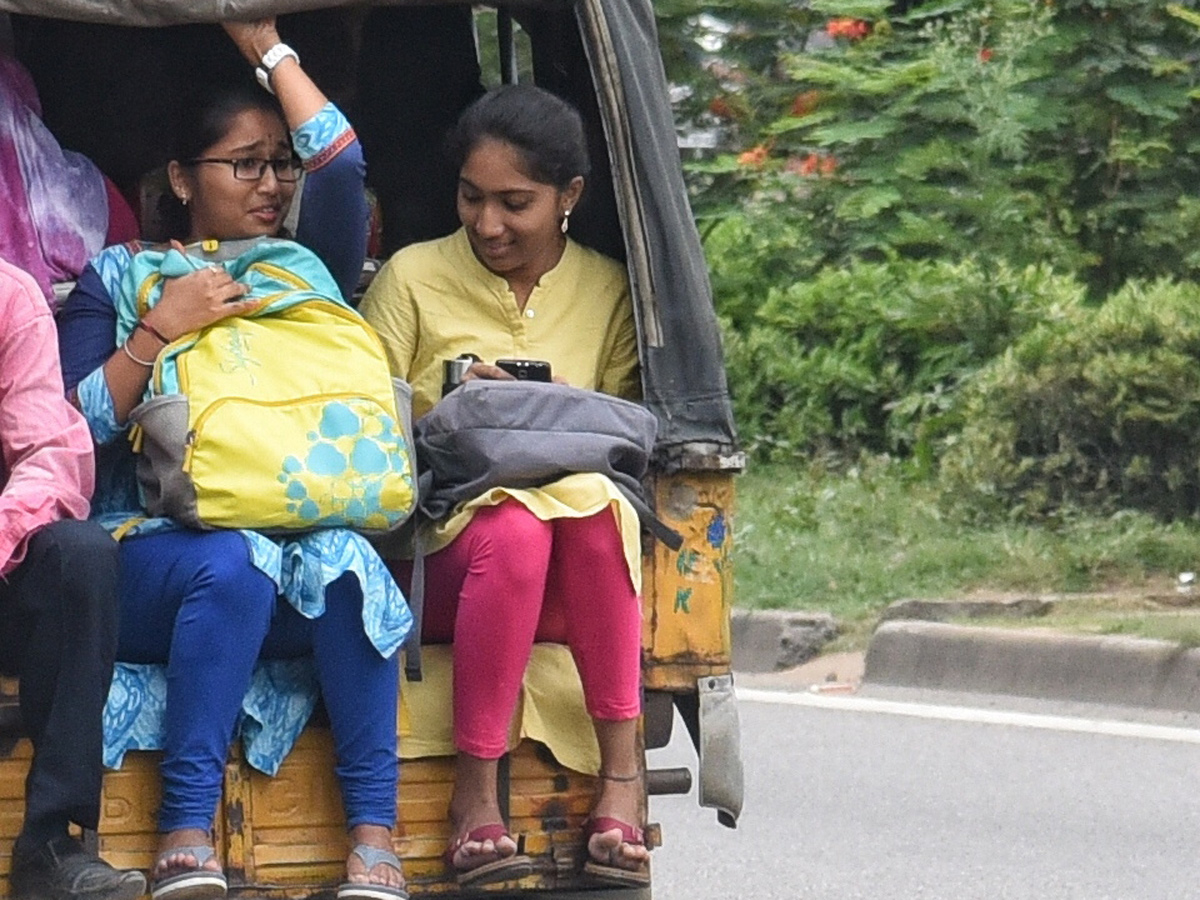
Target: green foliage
<point>1057,133</point>
<point>901,195</point>
<point>488,42</point>
<point>870,357</point>
<point>1092,409</point>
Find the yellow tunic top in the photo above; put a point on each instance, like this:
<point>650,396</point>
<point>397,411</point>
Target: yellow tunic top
<point>434,301</point>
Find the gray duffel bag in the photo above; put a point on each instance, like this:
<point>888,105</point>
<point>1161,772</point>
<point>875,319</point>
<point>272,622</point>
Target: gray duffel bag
<point>522,434</point>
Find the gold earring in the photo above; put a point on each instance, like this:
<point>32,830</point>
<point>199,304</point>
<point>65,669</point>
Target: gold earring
<point>566,221</point>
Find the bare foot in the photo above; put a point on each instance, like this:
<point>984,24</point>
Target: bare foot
<point>382,873</point>
<point>621,800</point>
<point>169,864</point>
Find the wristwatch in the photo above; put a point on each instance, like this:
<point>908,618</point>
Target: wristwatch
<point>270,60</point>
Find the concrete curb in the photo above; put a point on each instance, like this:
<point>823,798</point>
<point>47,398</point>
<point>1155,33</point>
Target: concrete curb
<point>1049,665</point>
<point>770,640</point>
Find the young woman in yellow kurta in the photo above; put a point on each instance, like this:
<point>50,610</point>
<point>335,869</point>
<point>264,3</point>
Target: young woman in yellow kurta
<point>560,563</point>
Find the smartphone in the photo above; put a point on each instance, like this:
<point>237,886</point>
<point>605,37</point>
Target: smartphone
<point>525,369</point>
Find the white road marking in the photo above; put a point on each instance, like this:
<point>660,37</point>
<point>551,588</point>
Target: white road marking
<point>968,714</point>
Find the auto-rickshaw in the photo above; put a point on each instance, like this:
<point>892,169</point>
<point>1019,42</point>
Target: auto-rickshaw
<point>107,74</point>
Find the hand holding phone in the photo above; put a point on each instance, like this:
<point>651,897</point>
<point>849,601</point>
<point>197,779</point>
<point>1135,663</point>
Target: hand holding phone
<point>525,369</point>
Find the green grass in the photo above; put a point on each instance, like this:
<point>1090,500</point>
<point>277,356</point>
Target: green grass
<point>1105,616</point>
<point>852,543</point>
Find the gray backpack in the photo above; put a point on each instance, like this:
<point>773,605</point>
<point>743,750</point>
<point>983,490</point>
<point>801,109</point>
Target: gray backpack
<point>521,434</point>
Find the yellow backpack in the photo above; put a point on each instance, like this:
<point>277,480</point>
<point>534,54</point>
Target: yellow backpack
<point>281,420</point>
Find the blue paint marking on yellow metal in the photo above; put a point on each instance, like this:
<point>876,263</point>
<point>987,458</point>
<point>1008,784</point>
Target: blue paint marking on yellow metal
<point>717,531</point>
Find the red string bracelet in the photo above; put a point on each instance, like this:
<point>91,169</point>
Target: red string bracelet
<point>151,330</point>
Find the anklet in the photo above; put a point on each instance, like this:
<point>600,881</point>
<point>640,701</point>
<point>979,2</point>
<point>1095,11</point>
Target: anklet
<point>621,778</point>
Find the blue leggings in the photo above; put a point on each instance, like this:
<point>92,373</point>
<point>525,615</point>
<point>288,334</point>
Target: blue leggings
<point>194,601</point>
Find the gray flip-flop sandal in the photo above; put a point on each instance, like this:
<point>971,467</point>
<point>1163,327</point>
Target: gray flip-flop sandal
<point>194,884</point>
<point>371,857</point>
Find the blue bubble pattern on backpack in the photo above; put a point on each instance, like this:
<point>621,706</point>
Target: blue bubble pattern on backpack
<point>284,418</point>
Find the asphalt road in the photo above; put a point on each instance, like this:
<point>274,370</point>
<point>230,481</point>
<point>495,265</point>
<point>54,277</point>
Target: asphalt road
<point>855,801</point>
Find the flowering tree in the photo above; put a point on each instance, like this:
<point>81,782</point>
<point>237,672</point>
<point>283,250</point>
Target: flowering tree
<point>1029,130</point>
<point>900,190</point>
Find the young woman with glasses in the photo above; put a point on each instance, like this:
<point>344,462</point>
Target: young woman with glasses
<point>207,604</point>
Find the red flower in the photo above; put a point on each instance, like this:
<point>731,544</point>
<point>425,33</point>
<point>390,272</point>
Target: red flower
<point>813,164</point>
<point>804,103</point>
<point>792,166</point>
<point>754,157</point>
<point>720,108</point>
<point>851,29</point>
<point>985,55</point>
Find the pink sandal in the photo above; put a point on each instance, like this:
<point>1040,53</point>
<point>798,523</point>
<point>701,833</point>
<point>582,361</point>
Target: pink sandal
<point>504,868</point>
<point>611,872</point>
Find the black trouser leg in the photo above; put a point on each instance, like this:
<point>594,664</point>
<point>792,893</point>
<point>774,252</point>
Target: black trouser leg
<point>58,631</point>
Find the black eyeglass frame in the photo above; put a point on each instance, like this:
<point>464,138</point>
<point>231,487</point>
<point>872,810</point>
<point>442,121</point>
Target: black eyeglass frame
<point>286,170</point>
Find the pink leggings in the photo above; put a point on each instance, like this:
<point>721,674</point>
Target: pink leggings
<point>510,579</point>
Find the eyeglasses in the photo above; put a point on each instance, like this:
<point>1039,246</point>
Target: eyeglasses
<point>250,169</point>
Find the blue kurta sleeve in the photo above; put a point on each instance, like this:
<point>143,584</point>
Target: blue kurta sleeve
<point>333,210</point>
<point>87,324</point>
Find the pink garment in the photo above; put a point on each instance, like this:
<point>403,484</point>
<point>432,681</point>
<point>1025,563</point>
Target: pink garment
<point>47,471</point>
<point>511,579</point>
<point>53,203</point>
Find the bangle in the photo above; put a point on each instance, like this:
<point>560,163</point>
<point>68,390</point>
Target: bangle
<point>151,330</point>
<point>129,353</point>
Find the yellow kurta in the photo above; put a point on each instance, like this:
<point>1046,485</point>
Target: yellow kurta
<point>434,301</point>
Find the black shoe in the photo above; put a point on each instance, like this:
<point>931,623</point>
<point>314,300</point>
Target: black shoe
<point>63,870</point>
